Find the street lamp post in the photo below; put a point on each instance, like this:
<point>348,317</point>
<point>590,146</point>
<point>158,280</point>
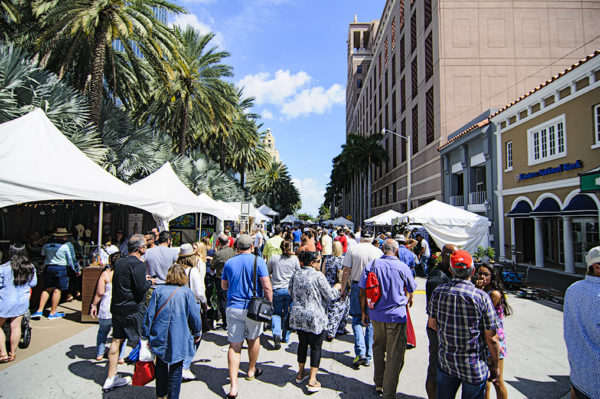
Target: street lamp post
<point>408,165</point>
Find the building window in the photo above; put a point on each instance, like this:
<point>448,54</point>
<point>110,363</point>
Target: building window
<point>414,78</point>
<point>387,71</point>
<point>403,145</point>
<point>394,152</point>
<point>428,57</point>
<point>394,191</point>
<point>393,33</point>
<point>385,50</point>
<point>358,83</point>
<point>387,195</point>
<point>429,126</point>
<point>427,13</point>
<point>402,55</point>
<point>387,151</point>
<point>402,95</point>
<point>359,69</point>
<point>597,124</point>
<point>547,141</point>
<point>509,163</point>
<point>413,32</point>
<point>394,70</point>
<point>415,129</point>
<point>393,107</point>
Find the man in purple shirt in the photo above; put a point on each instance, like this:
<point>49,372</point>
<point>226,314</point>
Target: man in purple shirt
<point>396,285</point>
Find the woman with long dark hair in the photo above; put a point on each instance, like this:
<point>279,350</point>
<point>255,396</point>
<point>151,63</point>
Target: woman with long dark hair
<point>490,281</point>
<point>282,268</point>
<point>17,276</point>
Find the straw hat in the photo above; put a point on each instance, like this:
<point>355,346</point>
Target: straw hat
<point>61,232</point>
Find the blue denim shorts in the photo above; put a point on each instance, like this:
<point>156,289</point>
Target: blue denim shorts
<point>56,277</point>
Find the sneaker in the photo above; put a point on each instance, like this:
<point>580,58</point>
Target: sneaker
<point>57,315</point>
<point>37,315</point>
<point>277,342</point>
<point>366,362</point>
<point>115,382</point>
<point>187,375</point>
<point>357,361</point>
<point>379,391</point>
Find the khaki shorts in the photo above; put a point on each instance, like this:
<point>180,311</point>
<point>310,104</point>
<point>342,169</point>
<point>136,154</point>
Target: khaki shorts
<point>240,327</point>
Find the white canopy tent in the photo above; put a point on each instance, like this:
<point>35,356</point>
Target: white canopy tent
<point>449,224</point>
<point>265,210</point>
<point>342,222</point>
<point>384,219</point>
<point>290,219</point>
<point>166,185</point>
<point>38,163</point>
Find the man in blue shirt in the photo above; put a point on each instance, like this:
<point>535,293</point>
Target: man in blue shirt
<point>582,335</point>
<point>405,255</point>
<point>396,285</point>
<point>59,255</point>
<point>238,279</point>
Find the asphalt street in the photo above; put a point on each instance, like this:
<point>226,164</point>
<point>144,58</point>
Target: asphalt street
<point>536,366</point>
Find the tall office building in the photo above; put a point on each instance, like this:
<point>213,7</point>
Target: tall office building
<point>427,67</point>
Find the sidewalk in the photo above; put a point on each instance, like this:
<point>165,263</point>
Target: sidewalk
<point>536,366</point>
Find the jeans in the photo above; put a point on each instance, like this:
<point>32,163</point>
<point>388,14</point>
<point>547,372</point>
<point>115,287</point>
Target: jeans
<point>282,301</point>
<point>168,378</point>
<point>447,386</point>
<point>424,263</point>
<point>222,299</point>
<point>315,341</point>
<point>388,350</point>
<point>104,326</point>
<point>363,339</point>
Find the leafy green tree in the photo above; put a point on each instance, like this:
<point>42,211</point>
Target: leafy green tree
<point>77,36</point>
<point>273,186</point>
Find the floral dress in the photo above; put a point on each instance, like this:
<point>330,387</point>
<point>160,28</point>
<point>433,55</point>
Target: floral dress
<point>310,294</point>
<point>338,309</point>
<point>500,330</point>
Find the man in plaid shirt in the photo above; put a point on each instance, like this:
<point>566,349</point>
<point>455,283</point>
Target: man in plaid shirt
<point>466,324</point>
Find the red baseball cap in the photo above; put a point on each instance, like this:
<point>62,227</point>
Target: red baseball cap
<point>461,260</point>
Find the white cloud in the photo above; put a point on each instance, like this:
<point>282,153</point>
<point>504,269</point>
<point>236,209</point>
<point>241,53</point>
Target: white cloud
<point>314,100</point>
<point>311,193</point>
<point>274,89</point>
<point>192,20</point>
<point>266,114</point>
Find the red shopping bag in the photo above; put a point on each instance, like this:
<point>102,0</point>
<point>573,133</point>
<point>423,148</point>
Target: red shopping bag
<point>411,338</point>
<point>143,373</point>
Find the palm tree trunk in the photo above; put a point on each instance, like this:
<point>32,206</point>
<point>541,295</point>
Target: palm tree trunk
<point>183,131</point>
<point>98,60</point>
<point>242,175</point>
<point>222,156</point>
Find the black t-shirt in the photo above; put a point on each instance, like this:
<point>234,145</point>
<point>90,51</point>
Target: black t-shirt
<point>436,277</point>
<point>129,286</point>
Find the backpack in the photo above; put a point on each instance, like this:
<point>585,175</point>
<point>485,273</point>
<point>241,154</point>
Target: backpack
<point>372,288</point>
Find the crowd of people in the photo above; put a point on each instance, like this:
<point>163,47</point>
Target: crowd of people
<point>315,279</point>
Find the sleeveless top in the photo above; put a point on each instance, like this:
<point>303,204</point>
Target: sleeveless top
<point>104,308</point>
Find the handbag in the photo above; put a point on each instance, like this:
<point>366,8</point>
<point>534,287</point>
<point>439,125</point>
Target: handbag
<point>143,373</point>
<point>411,338</point>
<point>259,309</point>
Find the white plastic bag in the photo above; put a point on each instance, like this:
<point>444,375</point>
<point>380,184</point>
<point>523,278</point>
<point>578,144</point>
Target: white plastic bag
<point>146,354</point>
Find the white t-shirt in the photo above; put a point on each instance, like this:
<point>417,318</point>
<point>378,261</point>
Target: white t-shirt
<point>258,239</point>
<point>358,256</point>
<point>425,245</point>
<point>326,244</point>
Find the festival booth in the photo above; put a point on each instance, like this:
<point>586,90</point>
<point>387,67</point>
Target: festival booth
<point>339,222</point>
<point>186,221</point>
<point>387,218</point>
<point>449,224</point>
<point>47,182</point>
<point>265,210</point>
<point>290,219</point>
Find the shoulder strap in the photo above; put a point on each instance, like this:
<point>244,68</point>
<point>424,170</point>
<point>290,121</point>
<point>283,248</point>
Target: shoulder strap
<point>164,304</point>
<point>254,280</point>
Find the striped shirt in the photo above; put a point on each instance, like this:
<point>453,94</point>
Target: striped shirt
<point>463,313</point>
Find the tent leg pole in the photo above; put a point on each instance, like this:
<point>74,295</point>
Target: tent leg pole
<point>200,227</point>
<point>100,216</point>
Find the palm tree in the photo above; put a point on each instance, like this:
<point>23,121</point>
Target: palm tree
<point>273,186</point>
<point>195,96</point>
<point>79,34</point>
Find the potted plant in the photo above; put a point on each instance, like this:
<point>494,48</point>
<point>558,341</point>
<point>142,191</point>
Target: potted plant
<point>484,254</point>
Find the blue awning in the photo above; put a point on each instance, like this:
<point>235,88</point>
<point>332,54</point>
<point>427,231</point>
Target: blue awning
<point>522,209</point>
<point>548,207</point>
<point>581,205</point>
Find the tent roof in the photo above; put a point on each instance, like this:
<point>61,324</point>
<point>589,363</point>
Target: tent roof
<point>290,219</point>
<point>230,211</point>
<point>342,221</point>
<point>441,213</point>
<point>384,218</point>
<point>165,184</point>
<point>265,210</point>
<point>38,163</point>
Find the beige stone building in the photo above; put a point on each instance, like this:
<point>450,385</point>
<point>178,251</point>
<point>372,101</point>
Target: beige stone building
<point>269,142</point>
<point>545,140</point>
<point>427,67</point>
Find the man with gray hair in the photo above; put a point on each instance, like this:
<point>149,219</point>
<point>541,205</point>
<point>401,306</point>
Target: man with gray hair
<point>129,286</point>
<point>465,320</point>
<point>396,284</point>
<point>354,263</point>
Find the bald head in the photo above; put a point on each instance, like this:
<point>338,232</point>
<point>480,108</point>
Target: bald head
<point>448,250</point>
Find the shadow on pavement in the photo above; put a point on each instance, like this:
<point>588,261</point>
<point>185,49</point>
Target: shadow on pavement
<point>543,389</point>
<point>217,339</point>
<point>341,357</point>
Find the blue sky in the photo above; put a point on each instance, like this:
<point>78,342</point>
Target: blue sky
<point>291,56</point>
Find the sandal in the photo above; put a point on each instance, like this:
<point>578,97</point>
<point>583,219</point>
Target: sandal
<point>4,359</point>
<point>314,387</point>
<point>301,378</point>
<point>257,373</point>
<point>11,357</point>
